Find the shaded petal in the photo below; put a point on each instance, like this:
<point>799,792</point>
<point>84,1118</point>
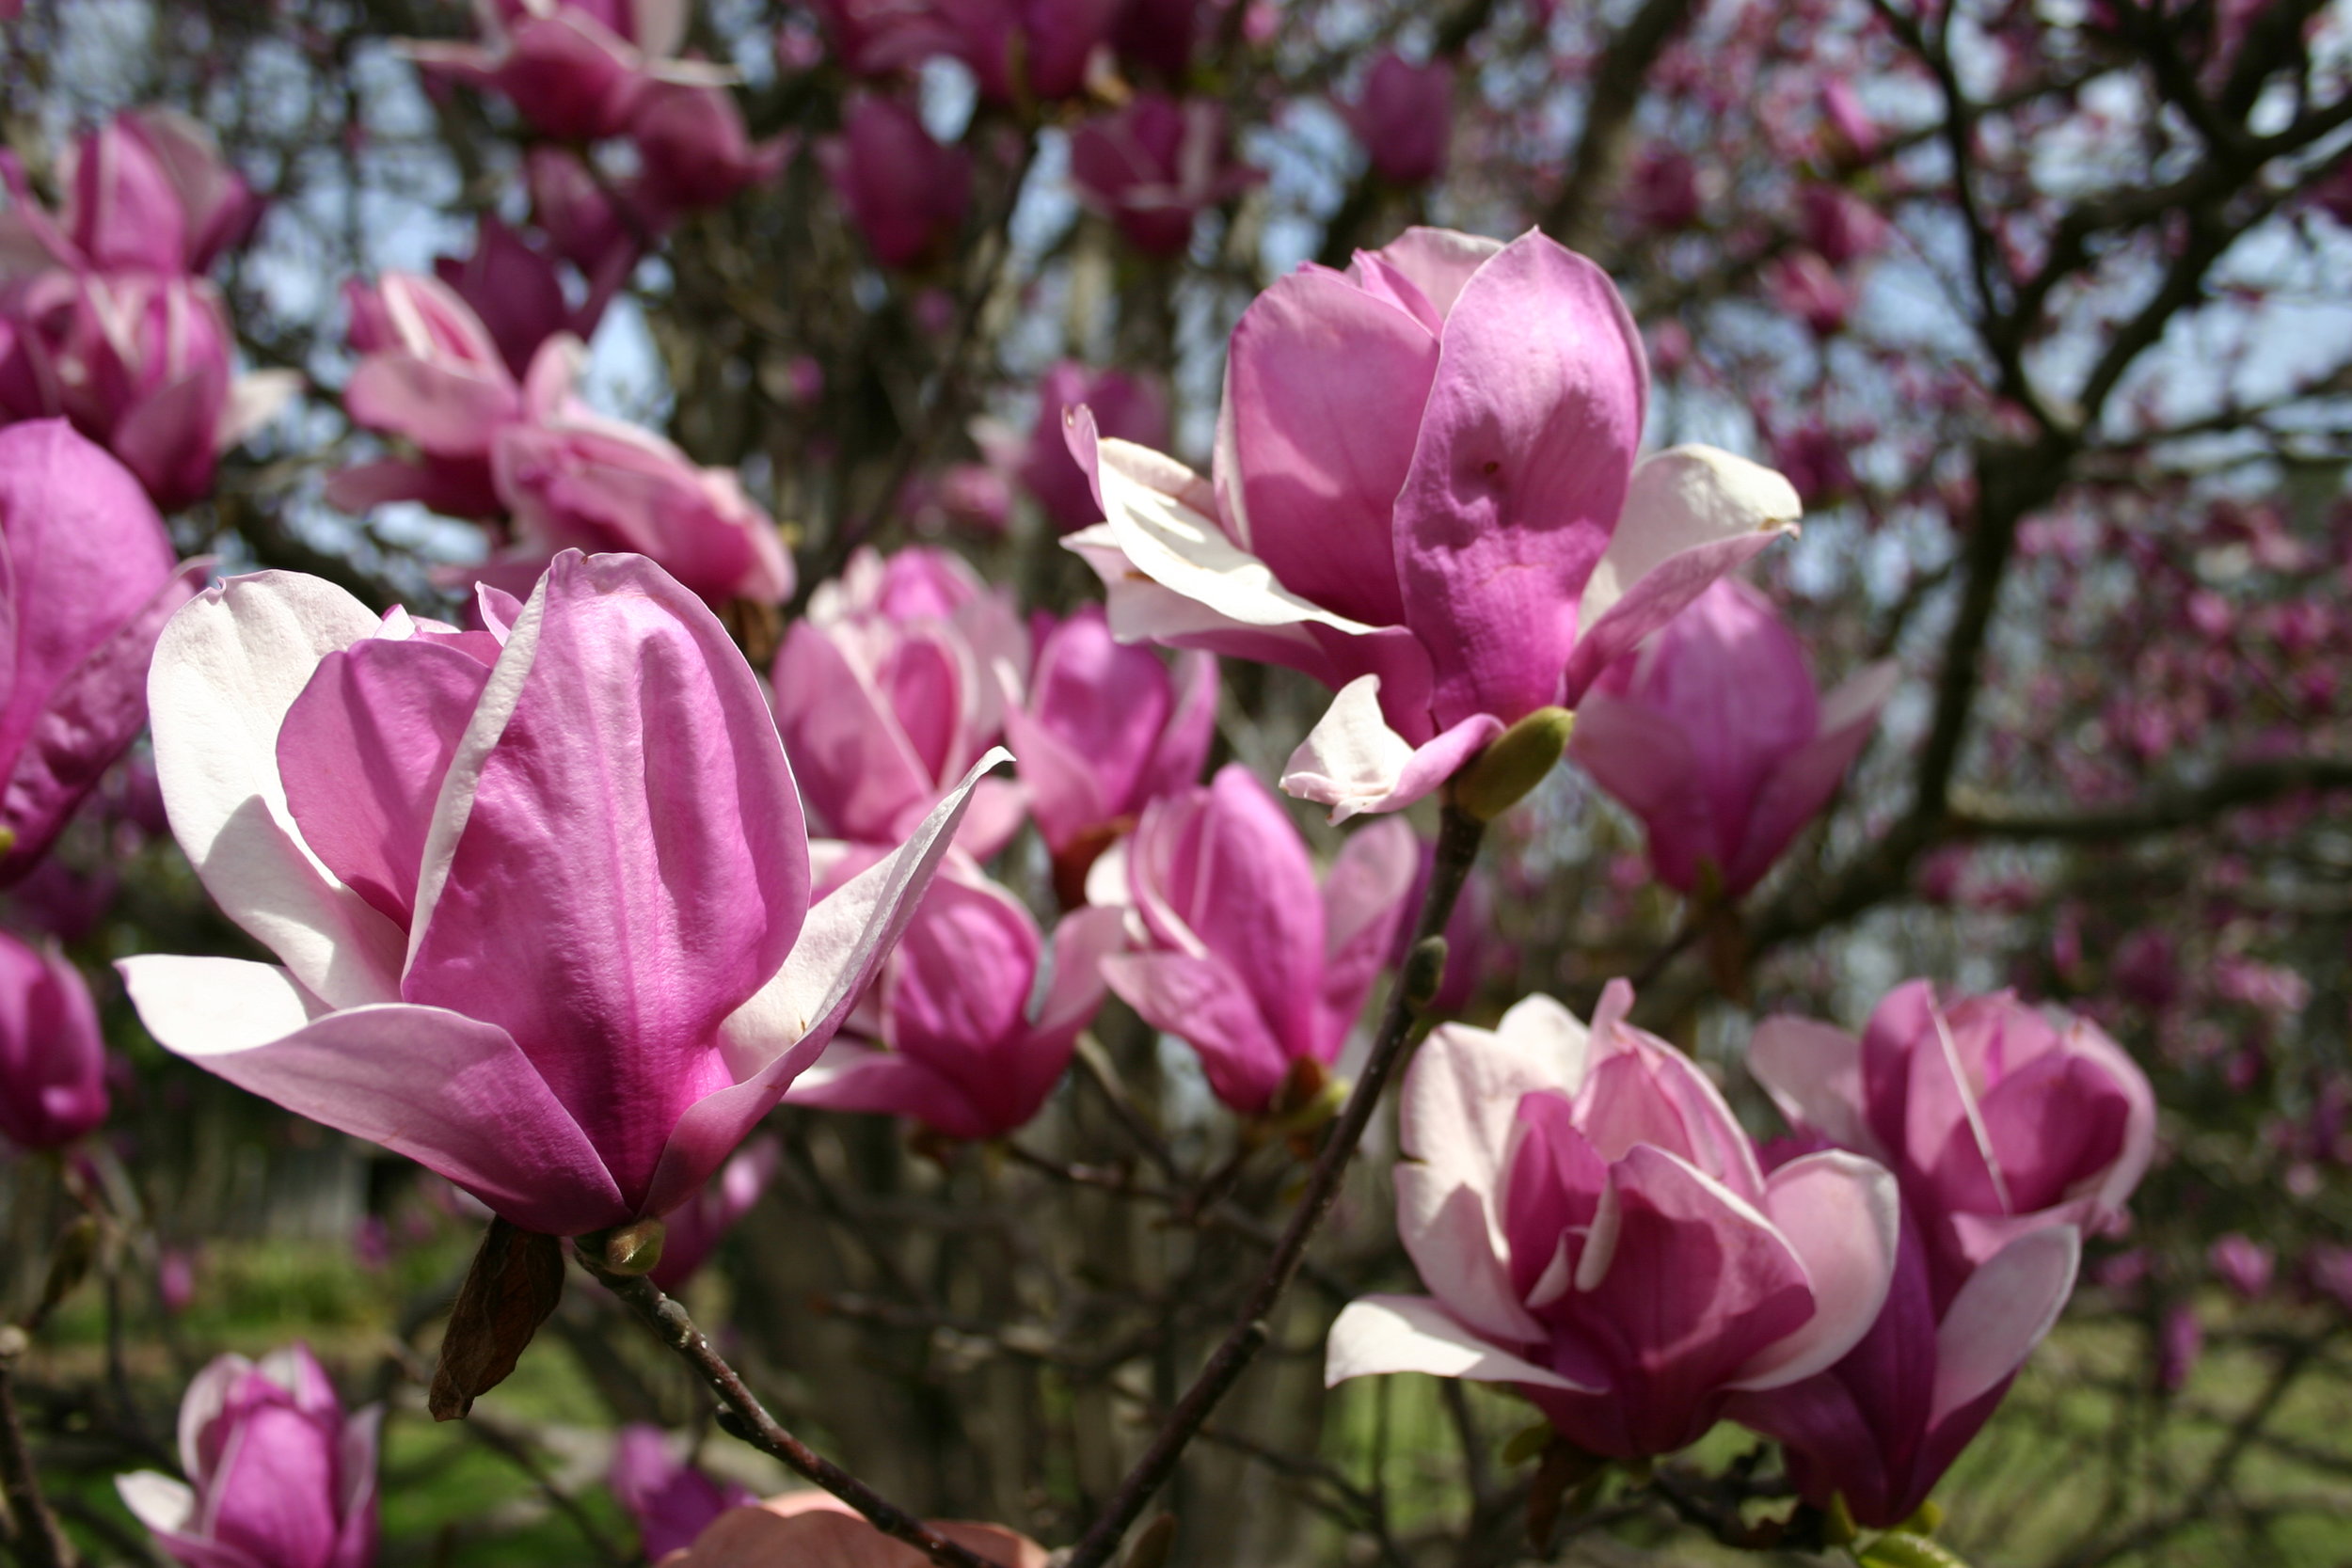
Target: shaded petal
<point>1364,901</point>
<point>1205,1005</point>
<point>1644,760</point>
<point>1802,782</point>
<point>1374,1334</point>
<point>1352,762</point>
<point>1813,1072</point>
<point>1841,1213</point>
<point>446,411</point>
<point>1141,610</point>
<point>2000,1313</point>
<point>852,1077</point>
<point>451,1093</point>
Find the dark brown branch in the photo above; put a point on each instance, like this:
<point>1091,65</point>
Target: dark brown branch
<point>753,1425</point>
<point>39,1542</point>
<point>1458,838</point>
<point>2244,784</point>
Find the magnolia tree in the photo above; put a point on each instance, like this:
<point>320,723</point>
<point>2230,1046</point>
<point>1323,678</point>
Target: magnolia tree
<point>886,683</point>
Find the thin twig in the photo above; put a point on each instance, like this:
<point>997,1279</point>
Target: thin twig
<point>1457,846</point>
<point>39,1544</point>
<point>753,1425</point>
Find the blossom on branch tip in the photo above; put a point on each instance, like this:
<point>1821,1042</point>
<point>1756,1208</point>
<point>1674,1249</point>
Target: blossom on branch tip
<point>540,893</point>
<point>1596,1231</point>
<point>575,69</point>
<point>1424,494</point>
<point>671,1501</point>
<point>1404,116</point>
<point>904,192</point>
<point>53,1060</point>
<point>278,1476</point>
<point>1153,167</point>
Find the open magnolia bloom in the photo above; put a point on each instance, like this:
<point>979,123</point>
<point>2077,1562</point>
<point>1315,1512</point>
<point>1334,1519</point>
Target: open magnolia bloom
<point>1425,496</point>
<point>539,893</point>
<point>1597,1232</point>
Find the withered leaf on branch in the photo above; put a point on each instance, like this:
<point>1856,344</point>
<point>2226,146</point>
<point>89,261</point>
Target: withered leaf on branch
<point>517,1279</point>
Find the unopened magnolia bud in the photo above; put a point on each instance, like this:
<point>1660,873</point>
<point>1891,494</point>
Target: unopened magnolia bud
<point>1901,1549</point>
<point>626,1249</point>
<point>1514,763</point>
<point>1424,971</point>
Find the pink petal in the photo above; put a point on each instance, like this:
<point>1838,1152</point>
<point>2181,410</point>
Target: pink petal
<point>1840,1212</point>
<point>2001,1312</point>
<point>1354,763</point>
<point>1202,1003</point>
<point>1813,1072</point>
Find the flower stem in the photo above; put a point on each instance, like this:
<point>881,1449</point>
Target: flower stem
<point>1459,838</point>
<point>38,1541</point>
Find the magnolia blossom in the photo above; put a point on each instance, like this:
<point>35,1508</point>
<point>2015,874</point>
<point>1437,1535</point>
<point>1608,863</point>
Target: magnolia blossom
<point>278,1477</point>
<point>148,193</point>
<point>1996,1119</point>
<point>891,687</point>
<point>539,892</point>
<point>1596,1231</point>
<point>513,287</point>
<point>1404,115</point>
<point>694,149</point>
<point>53,1060</point>
<point>974,1017</point>
<point>2244,1264</point>
<point>671,1501</point>
<point>1152,165</point>
<point>905,192</point>
<point>1880,1427</point>
<point>1425,496</point>
<point>694,1229</point>
<point>1245,959</point>
<point>1712,734</point>
<point>815,1529</point>
<point>575,69</point>
<point>86,580</point>
<point>1105,729</point>
<point>1127,407</point>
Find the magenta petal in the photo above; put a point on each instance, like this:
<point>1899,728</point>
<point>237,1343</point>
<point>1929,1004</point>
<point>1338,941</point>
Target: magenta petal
<point>1803,780</point>
<point>362,754</point>
<point>1363,904</point>
<point>848,750</point>
<point>884,1083</point>
<point>272,1496</point>
<point>632,866</point>
<point>1319,457</point>
<point>1203,1003</point>
<point>961,976</point>
<point>1644,759</point>
<point>1524,459</point>
<point>446,412</point>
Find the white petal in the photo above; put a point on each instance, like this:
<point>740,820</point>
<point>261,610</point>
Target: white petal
<point>199,1007</point>
<point>1680,498</point>
<point>157,1501</point>
<point>1413,1333</point>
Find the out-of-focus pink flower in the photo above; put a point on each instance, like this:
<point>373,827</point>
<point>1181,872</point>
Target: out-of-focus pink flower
<point>1806,287</point>
<point>515,291</point>
<point>540,892</point>
<point>1597,1232</point>
<point>2327,1269</point>
<point>1882,1425</point>
<point>1712,734</point>
<point>89,581</point>
<point>431,374</point>
<point>278,1477</point>
<point>148,193</point>
<point>1404,115</point>
<point>815,1529</point>
<point>905,192</point>
<point>1125,408</point>
<point>693,1231</point>
<point>1157,35</point>
<point>1154,166</point>
<point>1105,730</point>
<point>1839,225</point>
<point>1850,134</point>
<point>1425,496</point>
<point>876,37</point>
<point>974,1019</point>
<point>587,224</point>
<point>175,1279</point>
<point>1245,959</point>
<point>671,1501</point>
<point>2242,1263</point>
<point>1662,192</point>
<point>1028,48</point>
<point>53,1060</point>
<point>695,150</point>
<point>890,688</point>
<point>1816,460</point>
<point>2180,1345</point>
<point>576,481</point>
<point>577,71</point>
<point>1996,1119</point>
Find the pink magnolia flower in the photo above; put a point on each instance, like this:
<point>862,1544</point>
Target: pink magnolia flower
<point>515,293</point>
<point>695,150</point>
<point>693,1230</point>
<point>1028,48</point>
<point>431,374</point>
<point>975,1017</point>
<point>278,1477</point>
<point>1597,1232</point>
<point>575,69</point>
<point>671,1501</point>
<point>1996,1119</point>
<point>1802,285</point>
<point>1106,729</point>
<point>2180,1345</point>
<point>1404,115</point>
<point>88,582</point>
<point>539,892</point>
<point>905,192</point>
<point>1157,35</point>
<point>1712,734</point>
<point>1154,166</point>
<point>890,688</point>
<point>2244,1264</point>
<point>1840,226</point>
<point>1424,495</point>
<point>1126,407</point>
<point>815,1529</point>
<point>142,363</point>
<point>1246,959</point>
<point>1882,1425</point>
<point>877,38</point>
<point>148,193</point>
<point>53,1060</point>
<point>573,478</point>
<point>588,224</point>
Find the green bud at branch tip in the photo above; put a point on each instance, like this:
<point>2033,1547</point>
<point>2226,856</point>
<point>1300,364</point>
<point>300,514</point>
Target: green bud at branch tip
<point>626,1249</point>
<point>1424,971</point>
<point>1513,763</point>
